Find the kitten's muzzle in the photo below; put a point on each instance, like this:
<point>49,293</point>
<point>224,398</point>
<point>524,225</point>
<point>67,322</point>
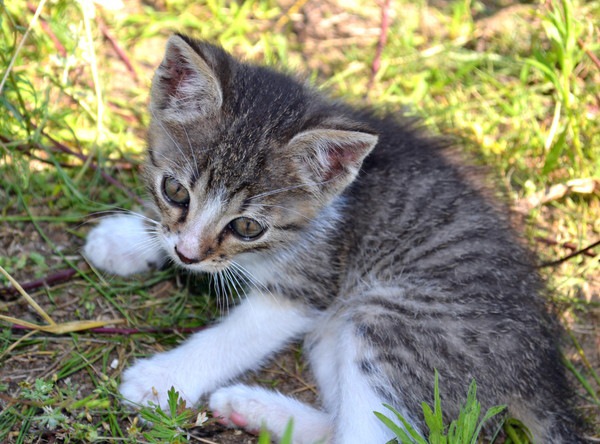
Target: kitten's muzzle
<point>186,260</point>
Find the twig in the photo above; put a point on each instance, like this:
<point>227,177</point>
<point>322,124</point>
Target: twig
<point>66,150</point>
<point>44,24</point>
<point>570,256</point>
<point>94,166</point>
<point>21,43</point>
<point>20,401</point>
<point>51,279</point>
<point>568,245</point>
<point>131,119</point>
<point>51,326</point>
<point>15,344</point>
<point>28,298</point>
<point>127,331</point>
<point>595,60</point>
<point>117,48</point>
<point>385,24</point>
<point>202,440</point>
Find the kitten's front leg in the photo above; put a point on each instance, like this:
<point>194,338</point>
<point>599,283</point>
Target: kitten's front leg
<point>124,244</point>
<point>254,330</point>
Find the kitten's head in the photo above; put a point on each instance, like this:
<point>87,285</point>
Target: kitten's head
<point>241,159</point>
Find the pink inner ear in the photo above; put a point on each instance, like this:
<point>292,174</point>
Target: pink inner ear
<point>177,70</point>
<point>341,156</point>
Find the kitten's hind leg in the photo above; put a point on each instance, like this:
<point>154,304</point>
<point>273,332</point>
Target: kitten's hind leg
<point>124,244</point>
<point>349,383</point>
<point>252,408</point>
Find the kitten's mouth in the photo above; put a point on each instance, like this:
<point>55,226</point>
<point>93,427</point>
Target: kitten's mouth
<point>202,267</point>
<point>197,265</point>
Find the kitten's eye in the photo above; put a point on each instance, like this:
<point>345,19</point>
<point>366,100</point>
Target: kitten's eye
<point>175,192</point>
<point>246,228</point>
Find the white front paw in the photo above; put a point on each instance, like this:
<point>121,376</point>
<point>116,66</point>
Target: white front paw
<point>123,245</point>
<point>149,380</point>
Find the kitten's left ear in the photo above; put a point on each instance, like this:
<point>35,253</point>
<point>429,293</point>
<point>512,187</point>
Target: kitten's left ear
<point>332,158</point>
<point>185,87</point>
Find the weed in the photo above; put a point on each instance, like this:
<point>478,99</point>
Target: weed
<point>169,426</point>
<point>464,430</point>
<point>265,438</point>
<point>558,64</point>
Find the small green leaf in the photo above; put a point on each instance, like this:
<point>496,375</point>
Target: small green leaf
<point>264,437</point>
<point>555,152</point>
<point>398,431</point>
<point>407,434</point>
<point>287,434</point>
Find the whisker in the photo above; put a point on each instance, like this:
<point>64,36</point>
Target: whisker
<point>226,289</point>
<point>211,283</point>
<point>191,150</point>
<point>222,291</point>
<point>293,187</point>
<point>258,204</point>
<point>279,190</point>
<point>122,211</point>
<point>235,274</point>
<point>146,246</point>
<point>169,161</point>
<point>240,288</point>
<point>214,279</point>
<point>190,170</point>
<point>249,279</point>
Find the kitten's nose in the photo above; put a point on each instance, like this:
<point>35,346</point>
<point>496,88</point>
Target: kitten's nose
<point>186,260</point>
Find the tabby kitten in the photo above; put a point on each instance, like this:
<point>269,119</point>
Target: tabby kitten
<point>352,231</point>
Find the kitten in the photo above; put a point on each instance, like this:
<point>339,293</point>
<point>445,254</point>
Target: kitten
<point>354,232</point>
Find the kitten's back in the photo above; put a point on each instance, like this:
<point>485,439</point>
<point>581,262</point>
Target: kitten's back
<point>438,279</point>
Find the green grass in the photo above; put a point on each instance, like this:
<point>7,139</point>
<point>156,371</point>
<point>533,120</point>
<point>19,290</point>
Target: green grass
<point>517,84</point>
<point>466,429</point>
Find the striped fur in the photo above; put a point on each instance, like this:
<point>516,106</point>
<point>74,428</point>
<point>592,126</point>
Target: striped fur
<point>391,261</point>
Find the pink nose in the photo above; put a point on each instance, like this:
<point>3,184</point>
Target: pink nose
<point>186,260</point>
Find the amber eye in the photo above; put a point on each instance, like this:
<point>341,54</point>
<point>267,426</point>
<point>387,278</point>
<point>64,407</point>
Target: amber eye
<point>245,228</point>
<point>175,192</point>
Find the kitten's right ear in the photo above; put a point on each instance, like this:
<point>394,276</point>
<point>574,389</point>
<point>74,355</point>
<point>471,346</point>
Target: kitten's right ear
<point>331,158</point>
<point>184,87</point>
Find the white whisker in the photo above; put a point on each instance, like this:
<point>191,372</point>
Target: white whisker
<point>211,283</point>
<point>280,190</point>
<point>169,161</point>
<point>239,287</point>
<point>226,289</point>
<point>189,164</point>
<point>293,187</point>
<point>258,204</point>
<point>248,278</point>
<point>191,150</point>
<point>99,215</point>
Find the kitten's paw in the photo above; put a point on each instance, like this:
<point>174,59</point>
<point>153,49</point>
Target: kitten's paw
<point>123,245</point>
<point>149,380</point>
<point>253,408</point>
<point>238,406</point>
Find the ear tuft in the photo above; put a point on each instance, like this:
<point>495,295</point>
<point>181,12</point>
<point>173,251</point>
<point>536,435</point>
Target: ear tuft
<point>332,157</point>
<point>185,87</point>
